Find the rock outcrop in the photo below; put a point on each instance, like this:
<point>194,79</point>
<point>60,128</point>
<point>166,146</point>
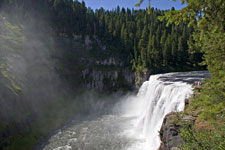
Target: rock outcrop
<point>112,80</point>
<point>141,77</point>
<point>90,68</point>
<point>169,132</point>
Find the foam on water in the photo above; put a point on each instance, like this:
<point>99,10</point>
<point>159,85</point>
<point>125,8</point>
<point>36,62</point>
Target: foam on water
<point>157,98</point>
<point>135,121</point>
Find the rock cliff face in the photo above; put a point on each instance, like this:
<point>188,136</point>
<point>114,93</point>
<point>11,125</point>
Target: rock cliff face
<point>169,132</point>
<point>141,77</point>
<point>113,79</point>
<point>92,68</point>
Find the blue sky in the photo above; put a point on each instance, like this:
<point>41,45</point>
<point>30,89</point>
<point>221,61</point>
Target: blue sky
<point>110,4</point>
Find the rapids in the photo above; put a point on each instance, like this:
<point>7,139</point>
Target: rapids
<point>134,122</point>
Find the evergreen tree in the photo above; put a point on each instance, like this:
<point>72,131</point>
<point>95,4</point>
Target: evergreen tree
<point>174,53</point>
<point>155,42</point>
<point>180,54</point>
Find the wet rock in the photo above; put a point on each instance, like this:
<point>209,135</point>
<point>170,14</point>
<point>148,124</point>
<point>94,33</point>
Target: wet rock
<point>108,79</point>
<point>169,133</point>
<point>186,101</point>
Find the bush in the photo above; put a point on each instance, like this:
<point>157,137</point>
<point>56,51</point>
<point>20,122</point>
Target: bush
<point>204,139</point>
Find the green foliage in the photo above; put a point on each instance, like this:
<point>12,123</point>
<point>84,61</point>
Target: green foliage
<point>211,105</point>
<point>136,36</point>
<point>138,4</point>
<point>144,47</point>
<point>54,116</point>
<point>203,140</point>
<point>209,38</point>
<point>176,120</point>
<point>133,35</point>
<point>11,41</point>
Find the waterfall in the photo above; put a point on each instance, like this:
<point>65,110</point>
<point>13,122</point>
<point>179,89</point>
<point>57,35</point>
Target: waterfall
<point>135,120</point>
<point>157,98</point>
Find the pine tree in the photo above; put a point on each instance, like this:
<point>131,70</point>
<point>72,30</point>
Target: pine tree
<point>150,51</point>
<point>180,54</point>
<point>174,53</point>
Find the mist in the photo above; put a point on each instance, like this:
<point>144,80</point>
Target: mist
<point>30,86</point>
<point>35,100</point>
<point>51,68</point>
<point>28,63</point>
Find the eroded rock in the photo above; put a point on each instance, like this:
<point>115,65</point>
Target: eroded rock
<point>169,133</point>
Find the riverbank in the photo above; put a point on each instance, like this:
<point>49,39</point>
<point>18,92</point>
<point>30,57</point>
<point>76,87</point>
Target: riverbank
<point>194,128</point>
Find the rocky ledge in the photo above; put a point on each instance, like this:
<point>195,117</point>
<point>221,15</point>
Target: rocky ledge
<point>169,132</point>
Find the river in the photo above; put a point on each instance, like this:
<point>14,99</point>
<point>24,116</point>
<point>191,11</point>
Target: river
<point>134,122</point>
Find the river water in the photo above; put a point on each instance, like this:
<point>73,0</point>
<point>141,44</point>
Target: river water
<point>134,122</point>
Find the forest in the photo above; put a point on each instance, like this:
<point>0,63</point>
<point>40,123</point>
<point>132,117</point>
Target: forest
<point>139,38</point>
<point>159,41</point>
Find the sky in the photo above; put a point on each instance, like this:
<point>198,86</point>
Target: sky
<point>111,4</point>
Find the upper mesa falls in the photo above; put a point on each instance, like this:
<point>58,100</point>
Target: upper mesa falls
<point>69,76</point>
<point>133,123</point>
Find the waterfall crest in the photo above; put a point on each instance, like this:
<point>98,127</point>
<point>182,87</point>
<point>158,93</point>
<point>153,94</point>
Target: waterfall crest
<point>158,99</point>
<point>135,121</point>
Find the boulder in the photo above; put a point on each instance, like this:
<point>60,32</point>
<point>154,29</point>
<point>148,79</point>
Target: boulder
<point>169,133</point>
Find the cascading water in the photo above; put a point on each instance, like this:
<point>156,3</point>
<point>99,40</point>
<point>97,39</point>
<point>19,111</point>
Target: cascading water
<point>135,121</point>
<point>159,98</point>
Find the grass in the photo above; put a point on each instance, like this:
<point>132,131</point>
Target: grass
<point>208,130</point>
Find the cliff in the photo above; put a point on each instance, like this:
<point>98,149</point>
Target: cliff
<point>174,122</point>
<point>91,65</point>
<point>170,130</point>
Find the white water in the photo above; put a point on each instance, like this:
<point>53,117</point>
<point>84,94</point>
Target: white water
<point>155,99</point>
<point>135,121</point>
